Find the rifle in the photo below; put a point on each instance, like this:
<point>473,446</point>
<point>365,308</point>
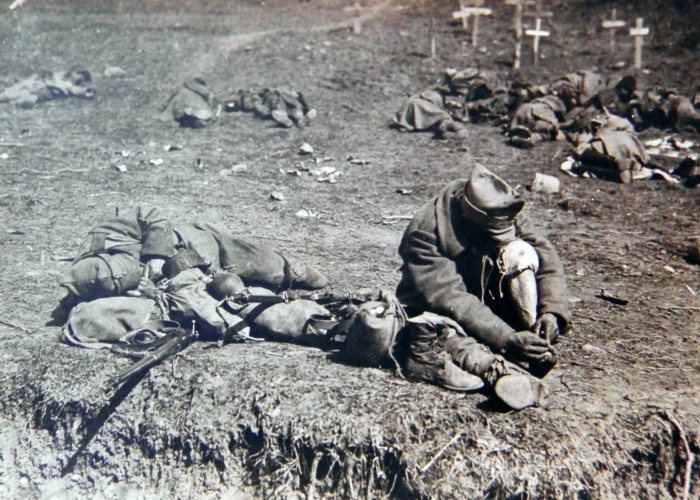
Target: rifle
<point>322,298</point>
<point>180,340</point>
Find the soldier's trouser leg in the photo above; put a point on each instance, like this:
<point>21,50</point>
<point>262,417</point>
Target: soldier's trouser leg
<point>201,240</point>
<point>258,265</point>
<point>437,351</point>
<point>517,264</point>
<point>627,169</point>
<point>512,384</point>
<point>474,357</point>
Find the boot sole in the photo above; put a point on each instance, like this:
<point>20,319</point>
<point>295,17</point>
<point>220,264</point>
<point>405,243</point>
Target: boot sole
<point>517,391</point>
<point>477,385</point>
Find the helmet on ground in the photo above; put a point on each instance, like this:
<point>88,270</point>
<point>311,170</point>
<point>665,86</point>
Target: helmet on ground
<point>225,284</point>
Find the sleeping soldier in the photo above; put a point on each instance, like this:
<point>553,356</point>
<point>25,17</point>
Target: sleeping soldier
<point>286,107</point>
<point>48,85</point>
<point>193,105</point>
<point>612,151</point>
<point>197,265</point>
<point>536,121</point>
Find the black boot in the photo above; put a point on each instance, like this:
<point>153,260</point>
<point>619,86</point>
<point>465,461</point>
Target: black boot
<point>302,277</point>
<point>429,361</point>
<point>59,316</point>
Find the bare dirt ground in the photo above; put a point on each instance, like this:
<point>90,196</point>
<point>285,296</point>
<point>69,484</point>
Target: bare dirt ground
<point>623,413</point>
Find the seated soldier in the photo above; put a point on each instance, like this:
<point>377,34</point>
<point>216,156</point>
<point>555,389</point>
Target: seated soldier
<point>123,255</point>
<point>470,256</point>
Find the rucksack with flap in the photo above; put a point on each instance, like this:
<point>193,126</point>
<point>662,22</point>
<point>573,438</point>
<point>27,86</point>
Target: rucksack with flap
<point>370,331</point>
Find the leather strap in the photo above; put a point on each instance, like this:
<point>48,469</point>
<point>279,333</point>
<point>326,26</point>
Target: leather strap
<point>323,322</point>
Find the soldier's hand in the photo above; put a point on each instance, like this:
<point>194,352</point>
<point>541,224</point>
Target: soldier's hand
<point>527,345</point>
<point>145,289</point>
<point>547,327</point>
<point>153,270</point>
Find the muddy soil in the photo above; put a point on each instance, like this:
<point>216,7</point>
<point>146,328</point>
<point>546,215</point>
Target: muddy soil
<point>272,420</point>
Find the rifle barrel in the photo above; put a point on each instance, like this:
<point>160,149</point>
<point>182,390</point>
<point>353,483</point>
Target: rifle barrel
<point>320,297</point>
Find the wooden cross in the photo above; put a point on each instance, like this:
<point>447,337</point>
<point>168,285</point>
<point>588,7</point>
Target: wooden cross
<point>357,20</point>
<point>462,5</point>
<point>638,32</point>
<point>17,4</point>
<point>518,29</point>
<point>537,33</point>
<point>613,24</point>
<point>475,12</point>
<point>538,13</point>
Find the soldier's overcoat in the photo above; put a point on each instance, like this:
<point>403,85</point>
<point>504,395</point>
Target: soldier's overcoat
<point>449,269</point>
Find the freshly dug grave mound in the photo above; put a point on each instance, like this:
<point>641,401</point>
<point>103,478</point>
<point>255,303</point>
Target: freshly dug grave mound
<point>273,420</point>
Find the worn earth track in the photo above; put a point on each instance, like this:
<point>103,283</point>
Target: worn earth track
<point>622,415</point>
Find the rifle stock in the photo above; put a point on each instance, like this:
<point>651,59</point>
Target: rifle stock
<point>175,344</point>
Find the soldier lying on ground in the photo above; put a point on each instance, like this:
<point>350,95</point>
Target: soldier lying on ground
<point>463,96</point>
<point>492,286</point>
<point>48,85</point>
<point>478,96</point>
<point>473,84</point>
<point>286,107</point>
<point>536,121</point>
<point>576,89</point>
<point>192,105</point>
<point>569,104</point>
<point>612,151</point>
<point>127,256</point>
<point>665,109</point>
<point>615,100</point>
<point>426,111</point>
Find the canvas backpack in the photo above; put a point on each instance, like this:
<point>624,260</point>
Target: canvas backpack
<point>100,323</point>
<point>370,331</point>
<point>286,321</point>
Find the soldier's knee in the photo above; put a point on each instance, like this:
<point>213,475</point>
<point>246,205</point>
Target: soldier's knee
<point>516,257</point>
